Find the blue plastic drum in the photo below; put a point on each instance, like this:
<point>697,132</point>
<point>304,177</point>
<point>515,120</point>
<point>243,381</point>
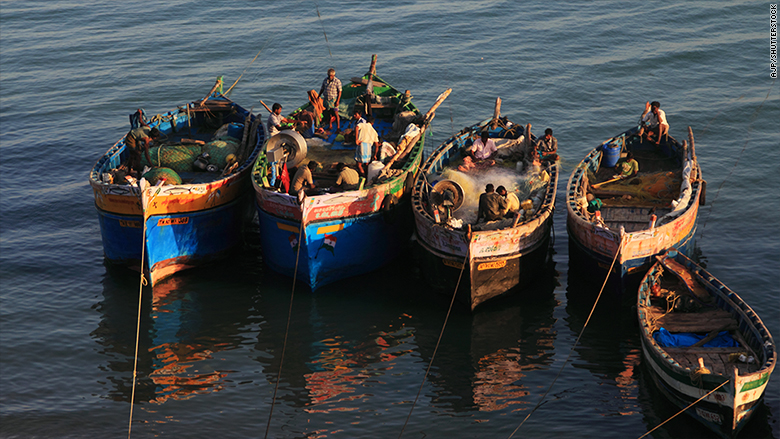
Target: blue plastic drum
<point>611,154</point>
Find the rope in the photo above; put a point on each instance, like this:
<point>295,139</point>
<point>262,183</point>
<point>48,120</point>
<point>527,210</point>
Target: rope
<point>247,68</point>
<point>441,334</point>
<point>319,17</point>
<point>750,129</point>
<point>140,302</point>
<point>286,330</point>
<point>686,408</point>
<point>576,342</point>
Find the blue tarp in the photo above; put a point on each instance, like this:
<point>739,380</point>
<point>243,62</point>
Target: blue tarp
<point>684,339</point>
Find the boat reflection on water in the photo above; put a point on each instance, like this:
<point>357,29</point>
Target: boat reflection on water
<point>184,325</point>
<point>505,339</point>
<point>609,348</point>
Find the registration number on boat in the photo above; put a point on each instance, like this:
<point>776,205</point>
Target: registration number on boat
<point>491,265</point>
<point>173,221</point>
<point>709,416</point>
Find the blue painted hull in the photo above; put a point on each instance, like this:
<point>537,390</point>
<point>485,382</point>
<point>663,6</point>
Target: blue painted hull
<point>174,242</point>
<point>362,244</point>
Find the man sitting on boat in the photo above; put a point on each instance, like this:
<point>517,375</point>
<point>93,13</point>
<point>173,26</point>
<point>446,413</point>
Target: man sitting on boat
<point>547,146</point>
<point>481,155</point>
<point>628,166</point>
<point>303,177</point>
<point>512,202</point>
<point>348,178</point>
<point>137,141</point>
<point>275,120</point>
<point>654,122</point>
<point>491,205</point>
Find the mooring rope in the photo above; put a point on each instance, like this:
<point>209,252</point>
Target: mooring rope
<point>441,334</point>
<point>681,411</point>
<point>247,68</point>
<point>739,156</point>
<point>140,299</point>
<point>576,342</point>
<point>287,329</point>
<point>319,17</point>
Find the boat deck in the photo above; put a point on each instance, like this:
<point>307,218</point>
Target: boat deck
<point>704,321</point>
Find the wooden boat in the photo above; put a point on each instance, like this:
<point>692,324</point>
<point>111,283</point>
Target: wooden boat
<point>191,223</point>
<point>641,216</point>
<point>683,298</point>
<point>342,234</point>
<point>496,257</point>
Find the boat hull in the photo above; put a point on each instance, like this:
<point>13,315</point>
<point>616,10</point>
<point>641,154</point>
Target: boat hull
<point>334,249</point>
<point>173,242</point>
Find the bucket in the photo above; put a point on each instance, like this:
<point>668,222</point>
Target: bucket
<point>611,154</point>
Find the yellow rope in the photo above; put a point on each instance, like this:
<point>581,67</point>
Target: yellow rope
<point>143,283</point>
<point>247,67</point>
<point>576,342</point>
<point>287,329</point>
<point>686,408</point>
<point>441,334</point>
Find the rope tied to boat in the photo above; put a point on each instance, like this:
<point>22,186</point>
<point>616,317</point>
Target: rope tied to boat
<point>683,410</point>
<point>576,342</point>
<point>287,329</point>
<point>438,342</point>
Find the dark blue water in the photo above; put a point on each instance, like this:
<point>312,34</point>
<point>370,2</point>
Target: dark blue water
<point>211,341</point>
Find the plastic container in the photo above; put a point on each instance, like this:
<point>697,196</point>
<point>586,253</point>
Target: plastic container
<point>611,152</point>
<point>374,169</point>
<point>236,130</point>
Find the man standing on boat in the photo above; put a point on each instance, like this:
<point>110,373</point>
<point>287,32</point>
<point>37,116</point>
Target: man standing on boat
<point>547,146</point>
<point>330,92</point>
<point>367,140</point>
<point>654,122</point>
<point>138,141</point>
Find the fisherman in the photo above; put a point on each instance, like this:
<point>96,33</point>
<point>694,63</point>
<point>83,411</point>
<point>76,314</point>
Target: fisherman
<point>653,122</point>
<point>367,141</point>
<point>481,154</point>
<point>275,120</point>
<point>303,177</point>
<point>512,202</point>
<point>137,142</point>
<point>348,178</point>
<point>491,204</point>
<point>628,167</point>
<point>547,146</point>
<point>330,92</point>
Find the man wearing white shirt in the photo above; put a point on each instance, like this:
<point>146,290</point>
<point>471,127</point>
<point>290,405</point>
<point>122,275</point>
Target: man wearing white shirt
<point>654,122</point>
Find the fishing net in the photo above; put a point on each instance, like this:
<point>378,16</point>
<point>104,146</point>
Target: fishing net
<point>659,187</point>
<point>220,149</point>
<point>170,176</point>
<point>177,157</point>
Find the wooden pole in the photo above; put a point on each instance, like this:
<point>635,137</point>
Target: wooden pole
<point>372,67</point>
<point>213,89</point>
<point>429,115</point>
<point>266,106</point>
<point>690,142</point>
<point>496,113</point>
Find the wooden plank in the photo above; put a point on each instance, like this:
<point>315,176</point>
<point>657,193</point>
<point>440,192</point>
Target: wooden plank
<point>682,272</point>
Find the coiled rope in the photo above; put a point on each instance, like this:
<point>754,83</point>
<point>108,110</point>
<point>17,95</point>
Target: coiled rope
<point>287,329</point>
<point>681,411</point>
<point>441,334</point>
<point>576,342</point>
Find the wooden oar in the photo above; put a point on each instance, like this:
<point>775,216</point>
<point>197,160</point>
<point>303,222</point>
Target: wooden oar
<point>608,181</point>
<point>266,106</point>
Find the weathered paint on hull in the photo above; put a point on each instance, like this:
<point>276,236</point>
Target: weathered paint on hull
<point>335,249</point>
<point>173,242</point>
<point>485,278</point>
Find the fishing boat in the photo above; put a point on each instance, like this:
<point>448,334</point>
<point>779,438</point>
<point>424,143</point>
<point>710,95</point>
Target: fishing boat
<point>629,220</point>
<point>494,257</point>
<point>322,235</point>
<point>708,351</point>
<point>189,208</point>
